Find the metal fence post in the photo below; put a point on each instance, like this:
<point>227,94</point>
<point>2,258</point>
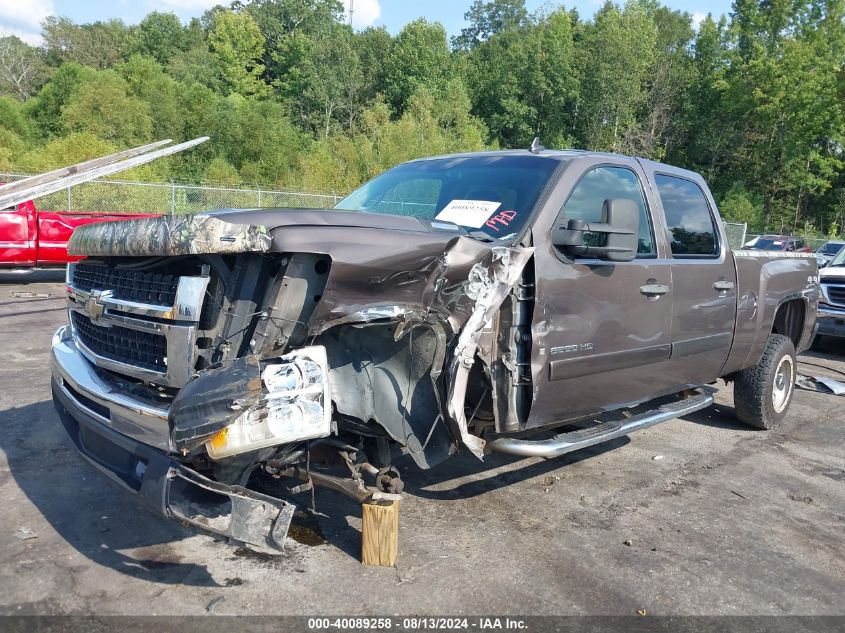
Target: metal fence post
<point>69,202</point>
<point>172,197</point>
<point>259,197</point>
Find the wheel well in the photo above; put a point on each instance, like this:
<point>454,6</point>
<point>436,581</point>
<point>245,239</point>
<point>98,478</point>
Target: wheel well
<point>789,320</point>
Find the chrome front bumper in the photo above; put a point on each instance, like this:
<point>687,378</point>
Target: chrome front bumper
<point>831,321</point>
<point>103,397</point>
<point>128,442</point>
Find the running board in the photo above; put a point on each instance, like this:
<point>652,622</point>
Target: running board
<point>602,432</point>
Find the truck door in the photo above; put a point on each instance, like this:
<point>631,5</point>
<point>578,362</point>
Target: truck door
<point>18,235</point>
<point>601,329</point>
<point>703,280</point>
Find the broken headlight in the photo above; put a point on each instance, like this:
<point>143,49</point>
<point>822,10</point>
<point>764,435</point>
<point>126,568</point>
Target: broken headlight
<point>295,405</point>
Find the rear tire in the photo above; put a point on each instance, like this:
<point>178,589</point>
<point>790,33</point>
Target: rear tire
<point>762,393</point>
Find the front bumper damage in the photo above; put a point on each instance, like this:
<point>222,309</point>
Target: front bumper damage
<point>164,485</point>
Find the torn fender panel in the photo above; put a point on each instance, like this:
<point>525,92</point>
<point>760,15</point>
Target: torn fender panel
<point>168,235</point>
<point>488,285</point>
<point>375,376</point>
<point>214,399</point>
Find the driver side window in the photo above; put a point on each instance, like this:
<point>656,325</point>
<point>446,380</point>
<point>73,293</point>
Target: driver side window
<point>602,183</point>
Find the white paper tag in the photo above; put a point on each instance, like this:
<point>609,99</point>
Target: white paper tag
<point>471,213</point>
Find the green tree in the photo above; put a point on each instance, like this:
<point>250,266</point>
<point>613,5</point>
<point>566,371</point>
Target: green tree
<point>333,84</point>
<point>523,82</point>
<point>45,109</point>
<point>103,107</point>
<point>161,36</point>
<point>418,58</point>
<point>372,46</point>
<point>257,138</point>
<point>740,205</point>
<point>60,152</point>
<point>97,45</point>
<point>787,87</point>
<point>616,54</point>
<point>147,81</point>
<point>709,121</point>
<point>486,19</point>
<point>287,26</point>
<point>238,44</point>
<point>659,126</point>
<point>430,125</point>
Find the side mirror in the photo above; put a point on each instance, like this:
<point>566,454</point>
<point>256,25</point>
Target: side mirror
<point>615,238</point>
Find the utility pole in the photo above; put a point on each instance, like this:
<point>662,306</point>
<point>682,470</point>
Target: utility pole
<point>351,10</point>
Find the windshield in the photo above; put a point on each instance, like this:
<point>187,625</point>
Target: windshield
<point>494,194</point>
<point>830,248</point>
<point>839,260</point>
<point>769,244</point>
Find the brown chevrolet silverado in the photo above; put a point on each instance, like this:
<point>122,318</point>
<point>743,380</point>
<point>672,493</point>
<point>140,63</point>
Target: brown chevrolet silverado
<point>527,302</point>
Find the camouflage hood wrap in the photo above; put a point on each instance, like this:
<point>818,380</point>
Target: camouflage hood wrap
<point>168,235</point>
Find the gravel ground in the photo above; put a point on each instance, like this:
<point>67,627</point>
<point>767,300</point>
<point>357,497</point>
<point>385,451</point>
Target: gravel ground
<point>695,516</point>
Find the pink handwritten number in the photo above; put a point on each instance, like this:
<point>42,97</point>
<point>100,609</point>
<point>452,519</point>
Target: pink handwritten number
<point>502,217</point>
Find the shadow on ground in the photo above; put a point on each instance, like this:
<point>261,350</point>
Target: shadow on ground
<point>102,521</point>
<point>32,276</point>
<point>91,513</point>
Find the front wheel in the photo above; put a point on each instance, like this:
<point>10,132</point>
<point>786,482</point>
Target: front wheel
<point>762,393</point>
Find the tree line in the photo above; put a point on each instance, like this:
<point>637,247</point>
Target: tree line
<point>291,96</point>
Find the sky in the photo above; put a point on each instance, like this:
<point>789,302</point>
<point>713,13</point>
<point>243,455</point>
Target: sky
<point>23,17</point>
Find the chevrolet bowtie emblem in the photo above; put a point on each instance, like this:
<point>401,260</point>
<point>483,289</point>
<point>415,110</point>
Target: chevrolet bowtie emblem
<point>94,307</point>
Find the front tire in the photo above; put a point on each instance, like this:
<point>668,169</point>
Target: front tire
<point>762,393</point>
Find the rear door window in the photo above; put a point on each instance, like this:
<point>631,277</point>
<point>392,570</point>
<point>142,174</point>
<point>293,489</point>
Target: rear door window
<point>690,228</point>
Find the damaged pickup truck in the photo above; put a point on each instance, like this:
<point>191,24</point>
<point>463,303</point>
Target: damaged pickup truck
<point>526,302</point>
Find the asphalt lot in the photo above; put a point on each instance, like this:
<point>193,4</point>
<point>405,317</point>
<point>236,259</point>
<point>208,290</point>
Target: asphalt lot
<point>694,516</point>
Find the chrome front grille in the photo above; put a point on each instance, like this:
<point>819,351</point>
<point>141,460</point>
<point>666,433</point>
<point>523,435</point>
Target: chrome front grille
<point>834,293</point>
<point>137,323</point>
<point>145,287</point>
<point>147,350</point>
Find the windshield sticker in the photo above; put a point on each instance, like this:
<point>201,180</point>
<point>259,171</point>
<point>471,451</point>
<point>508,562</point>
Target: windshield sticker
<point>471,213</point>
<point>502,218</point>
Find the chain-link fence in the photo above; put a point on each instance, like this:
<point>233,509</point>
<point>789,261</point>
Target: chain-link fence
<point>119,196</point>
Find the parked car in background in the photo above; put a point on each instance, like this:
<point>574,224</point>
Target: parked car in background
<point>831,318</point>
<point>786,243</point>
<point>30,238</point>
<point>827,251</point>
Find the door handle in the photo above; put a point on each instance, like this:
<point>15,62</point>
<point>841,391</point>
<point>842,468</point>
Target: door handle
<point>654,290</point>
<point>723,286</point>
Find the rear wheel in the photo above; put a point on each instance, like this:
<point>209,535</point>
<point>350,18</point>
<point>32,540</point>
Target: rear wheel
<point>762,393</point>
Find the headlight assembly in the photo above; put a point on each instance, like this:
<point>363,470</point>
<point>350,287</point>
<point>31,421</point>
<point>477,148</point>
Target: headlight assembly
<point>295,405</point>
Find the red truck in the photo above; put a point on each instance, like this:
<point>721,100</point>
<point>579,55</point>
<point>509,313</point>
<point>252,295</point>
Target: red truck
<point>38,239</point>
<point>30,238</point>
